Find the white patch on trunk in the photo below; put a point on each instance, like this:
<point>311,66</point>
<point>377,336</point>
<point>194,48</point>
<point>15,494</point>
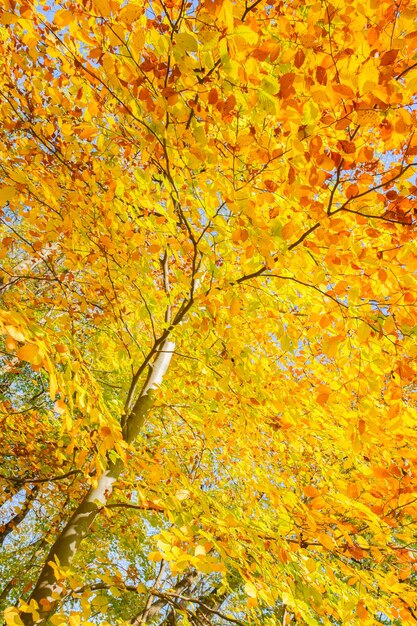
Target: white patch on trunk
<point>160,366</point>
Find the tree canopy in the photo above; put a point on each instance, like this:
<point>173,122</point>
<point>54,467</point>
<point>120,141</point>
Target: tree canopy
<point>208,312</point>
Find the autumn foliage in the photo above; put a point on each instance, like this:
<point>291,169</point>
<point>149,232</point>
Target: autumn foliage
<point>208,312</point>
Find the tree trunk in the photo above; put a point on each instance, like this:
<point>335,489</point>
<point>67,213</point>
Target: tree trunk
<point>47,590</point>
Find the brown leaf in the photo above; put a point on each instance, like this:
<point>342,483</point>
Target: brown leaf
<point>389,57</point>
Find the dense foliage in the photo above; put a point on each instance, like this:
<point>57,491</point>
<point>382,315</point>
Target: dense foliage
<point>208,312</point>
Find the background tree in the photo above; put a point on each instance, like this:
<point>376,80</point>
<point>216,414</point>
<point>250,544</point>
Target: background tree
<point>208,312</point>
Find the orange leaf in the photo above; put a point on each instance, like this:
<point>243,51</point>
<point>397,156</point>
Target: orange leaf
<point>382,275</point>
<point>361,426</point>
<point>63,18</point>
<point>271,185</point>
<point>213,96</point>
<point>352,191</point>
<point>353,491</point>
<point>288,230</point>
<point>347,146</point>
<point>299,58</point>
<point>361,611</point>
<point>318,503</point>
<point>323,395</point>
<point>60,407</point>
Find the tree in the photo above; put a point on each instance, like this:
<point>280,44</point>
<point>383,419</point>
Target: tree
<point>208,312</point>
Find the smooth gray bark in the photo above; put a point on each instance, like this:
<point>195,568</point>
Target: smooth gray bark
<point>47,589</point>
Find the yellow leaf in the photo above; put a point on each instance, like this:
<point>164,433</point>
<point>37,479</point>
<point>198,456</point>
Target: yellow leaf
<point>58,619</point>
<point>130,13</point>
<point>267,102</point>
<point>7,193</point>
<point>361,541</point>
<point>234,307</point>
<point>250,590</point>
<point>311,113</point>
<point>137,41</point>
<point>226,15</point>
<point>11,615</point>
<point>15,333</point>
<point>103,6</point>
<point>31,608</point>
<point>368,78</point>
<point>186,42</point>
<point>182,494</point>
<point>364,330</point>
<point>29,352</point>
<point>311,565</point>
<point>249,35</point>
<point>270,85</point>
<point>326,541</point>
